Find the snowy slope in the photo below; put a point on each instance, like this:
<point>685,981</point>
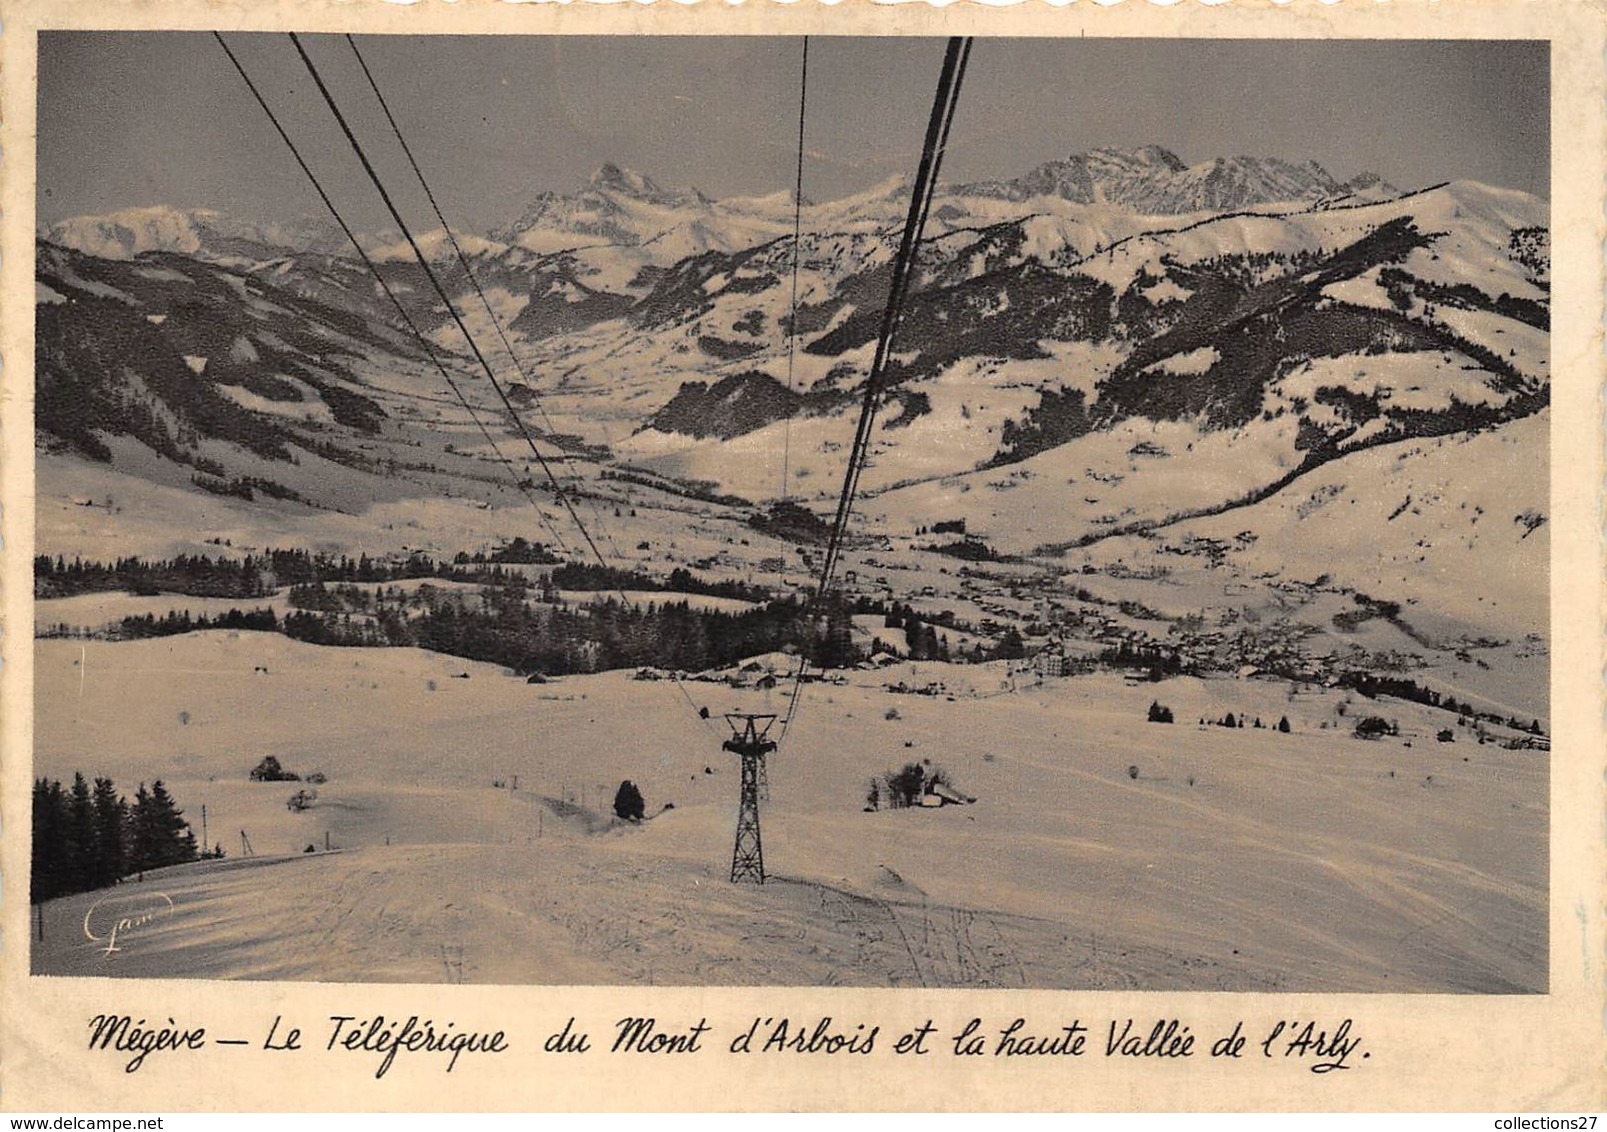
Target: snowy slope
<point>1418,869</point>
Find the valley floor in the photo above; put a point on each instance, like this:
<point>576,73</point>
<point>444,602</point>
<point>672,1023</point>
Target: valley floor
<point>1102,851</point>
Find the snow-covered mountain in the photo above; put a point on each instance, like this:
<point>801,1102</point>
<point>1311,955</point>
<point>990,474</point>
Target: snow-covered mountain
<point>204,233</point>
<point>626,208</point>
<point>607,209</point>
<point>1154,180</point>
<point>1264,317</point>
<point>623,208</point>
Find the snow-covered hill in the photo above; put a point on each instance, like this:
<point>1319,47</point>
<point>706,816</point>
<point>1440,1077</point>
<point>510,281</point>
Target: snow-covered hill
<point>205,233</point>
<point>705,290</point>
<point>1102,853</point>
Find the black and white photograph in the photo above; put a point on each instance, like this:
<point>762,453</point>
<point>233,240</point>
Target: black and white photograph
<point>793,511</point>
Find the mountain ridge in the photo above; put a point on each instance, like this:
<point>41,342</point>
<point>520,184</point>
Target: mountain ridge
<point>1154,180</point>
<point>610,205</point>
<point>1031,333</point>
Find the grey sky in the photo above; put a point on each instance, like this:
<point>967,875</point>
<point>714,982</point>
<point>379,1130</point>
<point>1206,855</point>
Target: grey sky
<point>161,118</point>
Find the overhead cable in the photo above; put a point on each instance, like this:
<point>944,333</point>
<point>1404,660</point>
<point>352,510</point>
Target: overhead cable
<point>435,282</point>
<point>468,271</point>
<point>943,106</point>
<point>955,58</point>
<point>407,319</point>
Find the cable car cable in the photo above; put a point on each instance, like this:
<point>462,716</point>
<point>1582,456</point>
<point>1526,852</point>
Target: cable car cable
<point>412,327</point>
<point>435,282</point>
<point>945,101</point>
<point>468,271</point>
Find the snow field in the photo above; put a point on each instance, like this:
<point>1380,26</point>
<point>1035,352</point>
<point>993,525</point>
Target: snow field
<point>1310,861</point>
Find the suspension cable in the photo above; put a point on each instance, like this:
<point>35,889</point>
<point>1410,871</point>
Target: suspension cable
<point>797,254</point>
<point>407,319</point>
<point>943,107</point>
<point>468,271</point>
<point>920,205</point>
<point>435,282</point>
<point>944,103</point>
<point>413,327</point>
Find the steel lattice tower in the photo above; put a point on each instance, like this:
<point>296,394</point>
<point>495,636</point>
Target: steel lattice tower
<point>748,742</point>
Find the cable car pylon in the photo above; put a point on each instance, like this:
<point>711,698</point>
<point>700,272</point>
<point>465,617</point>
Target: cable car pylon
<point>749,742</point>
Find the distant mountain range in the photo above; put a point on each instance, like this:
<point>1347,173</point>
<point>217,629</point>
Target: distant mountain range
<point>623,207</point>
<point>1155,180</point>
<point>198,232</point>
<point>1305,317</point>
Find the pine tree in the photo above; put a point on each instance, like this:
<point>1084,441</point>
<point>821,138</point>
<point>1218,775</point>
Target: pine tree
<point>628,802</point>
<point>914,637</point>
<point>80,837</point>
<point>171,840</point>
<point>141,836</point>
<point>836,649</point>
<point>46,877</point>
<point>111,828</point>
<point>1011,646</point>
<point>894,618</point>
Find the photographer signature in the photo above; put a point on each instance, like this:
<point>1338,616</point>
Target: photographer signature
<point>112,917</point>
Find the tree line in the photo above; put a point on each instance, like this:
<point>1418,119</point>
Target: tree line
<point>502,624</point>
<point>1372,686</point>
<point>504,629</point>
<point>258,575</point>
<point>89,836</point>
<point>1157,662</point>
<point>254,575</point>
<point>147,625</point>
<point>585,576</point>
<point>605,634</point>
